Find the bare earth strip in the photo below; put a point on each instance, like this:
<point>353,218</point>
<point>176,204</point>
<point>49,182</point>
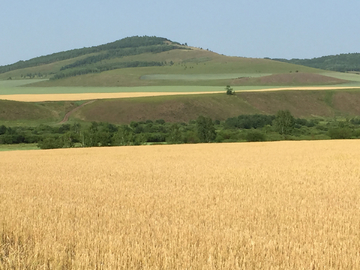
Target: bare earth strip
<point>91,96</point>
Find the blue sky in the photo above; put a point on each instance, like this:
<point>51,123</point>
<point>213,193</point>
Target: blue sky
<point>253,28</point>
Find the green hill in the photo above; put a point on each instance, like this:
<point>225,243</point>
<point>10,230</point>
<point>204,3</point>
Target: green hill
<point>341,62</point>
<point>34,113</point>
<point>153,61</point>
<point>306,104</point>
<point>127,46</point>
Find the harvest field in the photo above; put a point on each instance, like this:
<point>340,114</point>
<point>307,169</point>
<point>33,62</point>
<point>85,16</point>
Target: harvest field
<point>277,205</point>
<point>147,93</point>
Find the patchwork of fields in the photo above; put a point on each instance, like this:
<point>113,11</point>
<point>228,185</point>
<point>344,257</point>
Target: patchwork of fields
<point>280,205</point>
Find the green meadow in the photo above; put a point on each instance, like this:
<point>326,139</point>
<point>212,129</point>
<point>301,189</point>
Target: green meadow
<point>16,147</point>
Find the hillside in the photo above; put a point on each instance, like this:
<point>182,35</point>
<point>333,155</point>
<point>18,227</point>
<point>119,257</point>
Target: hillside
<point>306,104</point>
<point>341,62</point>
<point>153,61</point>
<point>17,113</point>
<point>82,59</point>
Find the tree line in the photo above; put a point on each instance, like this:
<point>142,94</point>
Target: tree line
<point>341,62</point>
<point>129,42</point>
<point>251,128</point>
<point>103,67</point>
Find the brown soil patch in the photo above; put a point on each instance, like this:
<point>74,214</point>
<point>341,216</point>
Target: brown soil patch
<point>299,103</point>
<point>170,109</point>
<point>347,101</point>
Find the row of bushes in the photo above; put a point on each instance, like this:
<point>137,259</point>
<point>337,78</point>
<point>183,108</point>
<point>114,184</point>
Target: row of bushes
<point>242,128</point>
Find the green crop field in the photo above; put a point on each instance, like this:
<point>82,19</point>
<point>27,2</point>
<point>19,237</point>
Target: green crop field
<point>192,77</point>
<point>13,147</point>
<point>344,76</point>
<point>14,88</point>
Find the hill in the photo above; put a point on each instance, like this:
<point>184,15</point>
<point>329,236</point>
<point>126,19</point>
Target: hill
<point>306,104</point>
<point>153,61</point>
<point>18,113</point>
<point>341,62</point>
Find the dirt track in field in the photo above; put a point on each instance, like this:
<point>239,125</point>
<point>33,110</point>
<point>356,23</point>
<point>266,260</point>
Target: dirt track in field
<point>92,96</point>
<point>67,115</point>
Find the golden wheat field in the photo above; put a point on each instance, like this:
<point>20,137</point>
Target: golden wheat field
<point>275,205</point>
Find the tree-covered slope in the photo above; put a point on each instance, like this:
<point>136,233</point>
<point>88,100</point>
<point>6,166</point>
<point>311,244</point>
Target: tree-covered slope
<point>340,62</point>
<point>89,60</point>
<point>155,61</point>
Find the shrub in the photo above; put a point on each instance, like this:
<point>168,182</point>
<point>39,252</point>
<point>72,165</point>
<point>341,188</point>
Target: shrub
<point>255,136</point>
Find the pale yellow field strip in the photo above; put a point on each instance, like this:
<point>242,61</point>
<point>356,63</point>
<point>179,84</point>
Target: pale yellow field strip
<point>91,96</point>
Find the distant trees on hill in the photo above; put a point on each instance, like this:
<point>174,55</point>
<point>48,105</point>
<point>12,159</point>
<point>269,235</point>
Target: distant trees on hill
<point>340,62</point>
<point>97,63</point>
<point>114,47</point>
<point>102,67</point>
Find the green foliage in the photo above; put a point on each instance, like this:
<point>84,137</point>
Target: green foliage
<point>175,134</point>
<point>96,134</point>
<point>124,136</point>
<point>255,136</point>
<point>340,62</point>
<point>249,121</point>
<point>50,143</point>
<point>229,90</point>
<point>65,73</point>
<point>341,130</point>
<point>119,53</point>
<point>226,135</point>
<point>284,122</point>
<point>205,129</point>
<point>3,129</point>
<point>112,48</point>
<point>340,133</point>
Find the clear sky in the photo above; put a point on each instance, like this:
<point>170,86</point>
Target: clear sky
<point>252,28</point>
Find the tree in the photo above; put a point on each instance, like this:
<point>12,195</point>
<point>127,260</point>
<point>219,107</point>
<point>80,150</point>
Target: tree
<point>255,136</point>
<point>205,129</point>
<point>229,90</point>
<point>174,134</point>
<point>124,136</point>
<point>50,143</point>
<point>284,122</point>
<point>3,129</point>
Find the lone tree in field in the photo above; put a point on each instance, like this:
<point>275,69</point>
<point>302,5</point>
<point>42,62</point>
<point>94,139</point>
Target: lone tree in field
<point>284,122</point>
<point>205,129</point>
<point>229,90</point>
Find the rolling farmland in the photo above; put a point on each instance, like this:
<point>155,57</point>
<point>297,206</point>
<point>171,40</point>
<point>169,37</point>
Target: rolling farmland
<point>279,205</point>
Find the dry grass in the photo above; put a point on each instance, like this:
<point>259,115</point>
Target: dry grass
<point>282,205</point>
<point>91,96</point>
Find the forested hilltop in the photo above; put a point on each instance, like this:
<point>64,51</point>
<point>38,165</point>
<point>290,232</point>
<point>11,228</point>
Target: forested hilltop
<point>341,62</point>
<point>93,59</point>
